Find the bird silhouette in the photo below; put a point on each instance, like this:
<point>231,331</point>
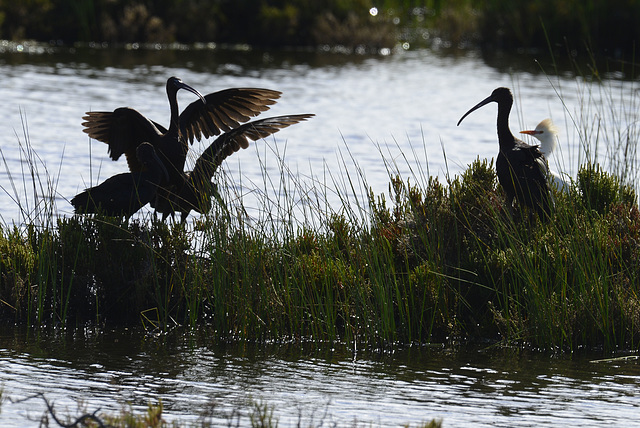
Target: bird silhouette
<point>197,188</point>
<point>124,194</point>
<point>547,133</point>
<point>124,129</point>
<point>522,169</point>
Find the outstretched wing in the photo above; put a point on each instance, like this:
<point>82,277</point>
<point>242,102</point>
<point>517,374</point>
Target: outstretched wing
<point>123,130</point>
<point>224,111</point>
<point>232,141</point>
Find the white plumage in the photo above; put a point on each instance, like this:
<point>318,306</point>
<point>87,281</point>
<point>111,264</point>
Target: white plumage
<point>547,133</point>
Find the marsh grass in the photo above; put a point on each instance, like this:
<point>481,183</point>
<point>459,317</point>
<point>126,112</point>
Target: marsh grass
<point>253,413</point>
<point>427,261</point>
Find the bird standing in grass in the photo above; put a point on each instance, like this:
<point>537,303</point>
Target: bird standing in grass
<point>124,194</point>
<point>522,169</point>
<point>547,133</point>
<point>197,189</point>
<point>124,129</point>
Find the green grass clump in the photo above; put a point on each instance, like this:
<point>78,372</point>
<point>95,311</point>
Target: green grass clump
<point>442,263</point>
<point>599,190</point>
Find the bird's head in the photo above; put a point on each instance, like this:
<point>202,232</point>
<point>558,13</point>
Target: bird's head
<point>547,133</point>
<point>148,157</point>
<point>145,153</point>
<point>174,84</point>
<point>499,95</point>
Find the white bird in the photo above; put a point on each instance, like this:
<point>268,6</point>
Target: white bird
<point>547,133</point>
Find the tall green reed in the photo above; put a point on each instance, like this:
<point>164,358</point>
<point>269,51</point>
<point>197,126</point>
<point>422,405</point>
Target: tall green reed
<point>34,193</point>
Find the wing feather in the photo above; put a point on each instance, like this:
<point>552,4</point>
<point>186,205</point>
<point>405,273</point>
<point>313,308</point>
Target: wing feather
<point>123,130</point>
<point>224,111</point>
<point>232,141</point>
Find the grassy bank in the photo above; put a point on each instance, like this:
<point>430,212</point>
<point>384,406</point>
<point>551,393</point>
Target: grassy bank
<point>603,27</point>
<point>427,262</point>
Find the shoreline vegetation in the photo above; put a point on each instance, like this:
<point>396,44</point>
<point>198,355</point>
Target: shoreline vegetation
<point>426,262</point>
<point>600,27</point>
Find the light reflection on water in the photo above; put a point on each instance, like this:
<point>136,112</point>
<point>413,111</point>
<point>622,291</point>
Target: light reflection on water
<point>384,114</point>
<point>463,387</point>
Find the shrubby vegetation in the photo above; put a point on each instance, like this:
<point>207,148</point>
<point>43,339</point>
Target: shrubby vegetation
<point>267,23</point>
<point>604,27</point>
<point>599,26</point>
<point>440,263</point>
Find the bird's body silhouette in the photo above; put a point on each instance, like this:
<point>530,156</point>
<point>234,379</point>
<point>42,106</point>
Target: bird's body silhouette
<point>522,169</point>
<point>547,133</point>
<point>197,189</point>
<point>124,129</point>
<point>124,194</point>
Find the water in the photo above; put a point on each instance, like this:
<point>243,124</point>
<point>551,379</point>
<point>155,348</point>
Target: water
<point>472,387</point>
<point>374,115</point>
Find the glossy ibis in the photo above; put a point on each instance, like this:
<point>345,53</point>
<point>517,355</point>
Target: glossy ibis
<point>124,194</point>
<point>197,188</point>
<point>522,169</point>
<point>547,133</point>
<point>124,129</point>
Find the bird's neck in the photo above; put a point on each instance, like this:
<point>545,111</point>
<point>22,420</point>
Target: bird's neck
<point>505,137</point>
<point>175,114</point>
<point>547,145</point>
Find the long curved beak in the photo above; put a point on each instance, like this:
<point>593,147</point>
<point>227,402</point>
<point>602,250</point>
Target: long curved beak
<point>182,85</point>
<point>476,107</point>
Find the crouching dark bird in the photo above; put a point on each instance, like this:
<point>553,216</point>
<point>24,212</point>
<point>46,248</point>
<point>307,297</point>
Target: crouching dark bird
<point>522,169</point>
<point>124,194</point>
<point>196,191</point>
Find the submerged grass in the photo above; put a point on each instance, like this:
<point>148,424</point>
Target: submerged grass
<point>426,262</point>
<point>253,413</point>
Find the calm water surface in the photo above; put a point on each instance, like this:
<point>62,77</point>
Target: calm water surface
<point>198,381</point>
<point>374,116</point>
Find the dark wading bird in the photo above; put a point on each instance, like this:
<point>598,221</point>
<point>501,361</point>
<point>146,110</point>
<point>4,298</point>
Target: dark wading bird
<point>522,169</point>
<point>124,194</point>
<point>197,190</point>
<point>124,129</point>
